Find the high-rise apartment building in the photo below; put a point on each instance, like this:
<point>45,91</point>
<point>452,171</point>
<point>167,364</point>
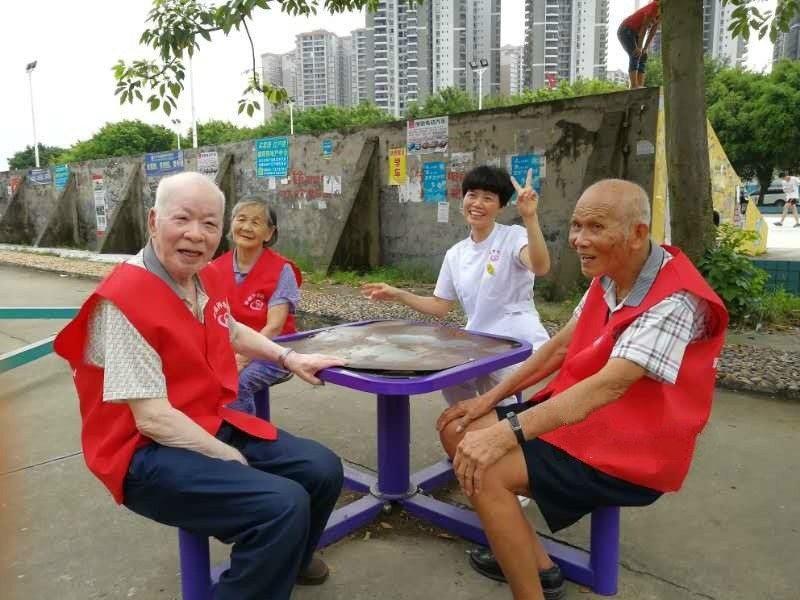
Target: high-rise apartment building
<point>397,40</point>
<point>511,71</point>
<point>318,69</point>
<point>565,40</point>
<point>618,76</point>
<point>422,50</point>
<point>278,71</point>
<point>464,32</point>
<point>362,68</point>
<point>718,41</point>
<point>787,45</point>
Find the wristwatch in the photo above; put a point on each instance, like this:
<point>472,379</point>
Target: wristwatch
<point>516,427</point>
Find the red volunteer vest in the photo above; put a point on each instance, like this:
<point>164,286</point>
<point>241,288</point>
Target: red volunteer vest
<point>197,361</point>
<point>647,436</point>
<point>249,300</point>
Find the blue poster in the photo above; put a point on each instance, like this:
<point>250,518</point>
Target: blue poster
<point>163,163</point>
<point>272,157</point>
<point>327,148</point>
<point>520,164</point>
<point>40,177</point>
<point>434,182</point>
<point>62,175</point>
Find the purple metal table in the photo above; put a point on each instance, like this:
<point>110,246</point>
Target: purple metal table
<point>396,485</point>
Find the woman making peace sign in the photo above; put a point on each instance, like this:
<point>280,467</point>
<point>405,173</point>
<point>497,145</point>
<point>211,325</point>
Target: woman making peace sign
<point>490,273</point>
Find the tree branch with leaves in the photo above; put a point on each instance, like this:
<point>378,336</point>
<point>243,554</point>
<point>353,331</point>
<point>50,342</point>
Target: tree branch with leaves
<point>176,29</point>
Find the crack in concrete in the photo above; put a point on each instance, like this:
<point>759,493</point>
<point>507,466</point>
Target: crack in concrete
<point>44,462</point>
<point>628,567</point>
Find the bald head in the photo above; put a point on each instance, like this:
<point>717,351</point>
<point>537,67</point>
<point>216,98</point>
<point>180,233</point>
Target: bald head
<point>188,182</point>
<point>625,200</point>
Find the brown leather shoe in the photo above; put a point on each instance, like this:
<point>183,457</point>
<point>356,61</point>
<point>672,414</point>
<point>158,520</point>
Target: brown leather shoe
<point>314,574</point>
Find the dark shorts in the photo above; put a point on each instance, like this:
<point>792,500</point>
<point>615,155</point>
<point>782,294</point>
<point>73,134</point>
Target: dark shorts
<point>627,37</point>
<point>565,489</point>
<point>792,201</point>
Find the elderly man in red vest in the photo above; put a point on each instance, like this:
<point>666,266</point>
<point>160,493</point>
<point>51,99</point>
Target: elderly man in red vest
<point>152,353</point>
<point>617,425</point>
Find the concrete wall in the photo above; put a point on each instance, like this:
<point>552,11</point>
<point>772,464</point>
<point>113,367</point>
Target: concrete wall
<point>583,139</point>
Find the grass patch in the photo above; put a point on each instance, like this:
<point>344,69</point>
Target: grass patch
<point>781,308</point>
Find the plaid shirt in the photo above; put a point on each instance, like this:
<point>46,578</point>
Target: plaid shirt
<point>657,339</point>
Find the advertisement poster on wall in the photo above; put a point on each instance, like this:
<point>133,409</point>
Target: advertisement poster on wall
<point>327,148</point>
<point>40,176</point>
<point>208,164</point>
<point>520,163</point>
<point>397,166</point>
<point>426,136</point>
<point>61,176</point>
<point>332,184</point>
<point>99,191</point>
<point>13,185</point>
<point>272,157</point>
<point>157,164</point>
<point>434,183</point>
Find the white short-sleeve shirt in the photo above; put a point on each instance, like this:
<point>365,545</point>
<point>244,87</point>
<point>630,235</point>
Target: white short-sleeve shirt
<point>492,284</point>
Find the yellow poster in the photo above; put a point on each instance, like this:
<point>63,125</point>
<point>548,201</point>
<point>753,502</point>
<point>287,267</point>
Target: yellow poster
<point>397,166</point>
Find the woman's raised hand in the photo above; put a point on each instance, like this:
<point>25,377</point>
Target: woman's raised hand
<point>527,198</point>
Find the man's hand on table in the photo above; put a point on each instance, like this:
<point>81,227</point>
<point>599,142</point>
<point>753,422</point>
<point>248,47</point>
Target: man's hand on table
<point>478,451</point>
<point>305,366</point>
<point>465,412</point>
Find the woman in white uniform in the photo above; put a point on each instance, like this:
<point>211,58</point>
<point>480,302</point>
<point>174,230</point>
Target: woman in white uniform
<point>490,273</point>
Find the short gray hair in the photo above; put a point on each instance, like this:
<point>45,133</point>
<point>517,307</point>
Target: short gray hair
<point>270,216</point>
<point>168,185</point>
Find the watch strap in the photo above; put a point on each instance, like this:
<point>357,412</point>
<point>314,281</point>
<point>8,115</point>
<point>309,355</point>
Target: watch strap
<point>513,420</point>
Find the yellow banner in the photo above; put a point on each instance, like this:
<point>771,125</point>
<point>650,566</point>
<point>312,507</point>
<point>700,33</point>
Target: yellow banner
<point>397,166</point>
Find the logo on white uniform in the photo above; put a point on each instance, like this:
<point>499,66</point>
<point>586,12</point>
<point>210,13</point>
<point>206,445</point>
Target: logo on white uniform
<point>255,301</point>
<point>494,255</point>
<point>221,312</point>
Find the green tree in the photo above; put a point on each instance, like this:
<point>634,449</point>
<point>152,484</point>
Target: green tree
<point>25,159</point>
<point>448,101</point>
<point>755,116</point>
<point>178,26</point>
<point>216,132</point>
<point>123,138</point>
<point>323,118</point>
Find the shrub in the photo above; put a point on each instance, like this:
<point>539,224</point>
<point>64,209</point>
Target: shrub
<point>739,283</point>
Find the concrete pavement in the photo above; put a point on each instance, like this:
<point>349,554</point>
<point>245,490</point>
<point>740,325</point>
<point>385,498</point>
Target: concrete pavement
<point>731,533</point>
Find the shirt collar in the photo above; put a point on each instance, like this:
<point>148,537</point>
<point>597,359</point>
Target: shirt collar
<point>644,281</point>
<point>153,264</point>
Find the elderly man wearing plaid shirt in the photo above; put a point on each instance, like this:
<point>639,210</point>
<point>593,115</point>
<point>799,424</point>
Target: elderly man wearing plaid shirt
<point>617,425</point>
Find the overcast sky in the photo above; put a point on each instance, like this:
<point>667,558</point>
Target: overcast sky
<point>77,42</point>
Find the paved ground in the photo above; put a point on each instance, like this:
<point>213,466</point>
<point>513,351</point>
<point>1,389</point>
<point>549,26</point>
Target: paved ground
<point>732,533</point>
<point>783,242</point>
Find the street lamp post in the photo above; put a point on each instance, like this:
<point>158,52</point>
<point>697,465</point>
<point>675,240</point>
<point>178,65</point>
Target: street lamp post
<point>29,70</point>
<point>291,117</point>
<point>191,95</point>
<point>177,123</point>
<point>479,66</point>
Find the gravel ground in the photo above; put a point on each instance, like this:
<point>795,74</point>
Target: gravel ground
<point>744,367</point>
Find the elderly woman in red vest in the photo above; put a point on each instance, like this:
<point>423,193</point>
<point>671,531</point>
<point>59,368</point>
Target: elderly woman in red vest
<point>262,290</point>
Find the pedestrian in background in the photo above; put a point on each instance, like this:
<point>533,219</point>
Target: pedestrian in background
<point>636,33</point>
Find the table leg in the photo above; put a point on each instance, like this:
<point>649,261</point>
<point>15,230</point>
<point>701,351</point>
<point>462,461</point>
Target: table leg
<point>394,441</point>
